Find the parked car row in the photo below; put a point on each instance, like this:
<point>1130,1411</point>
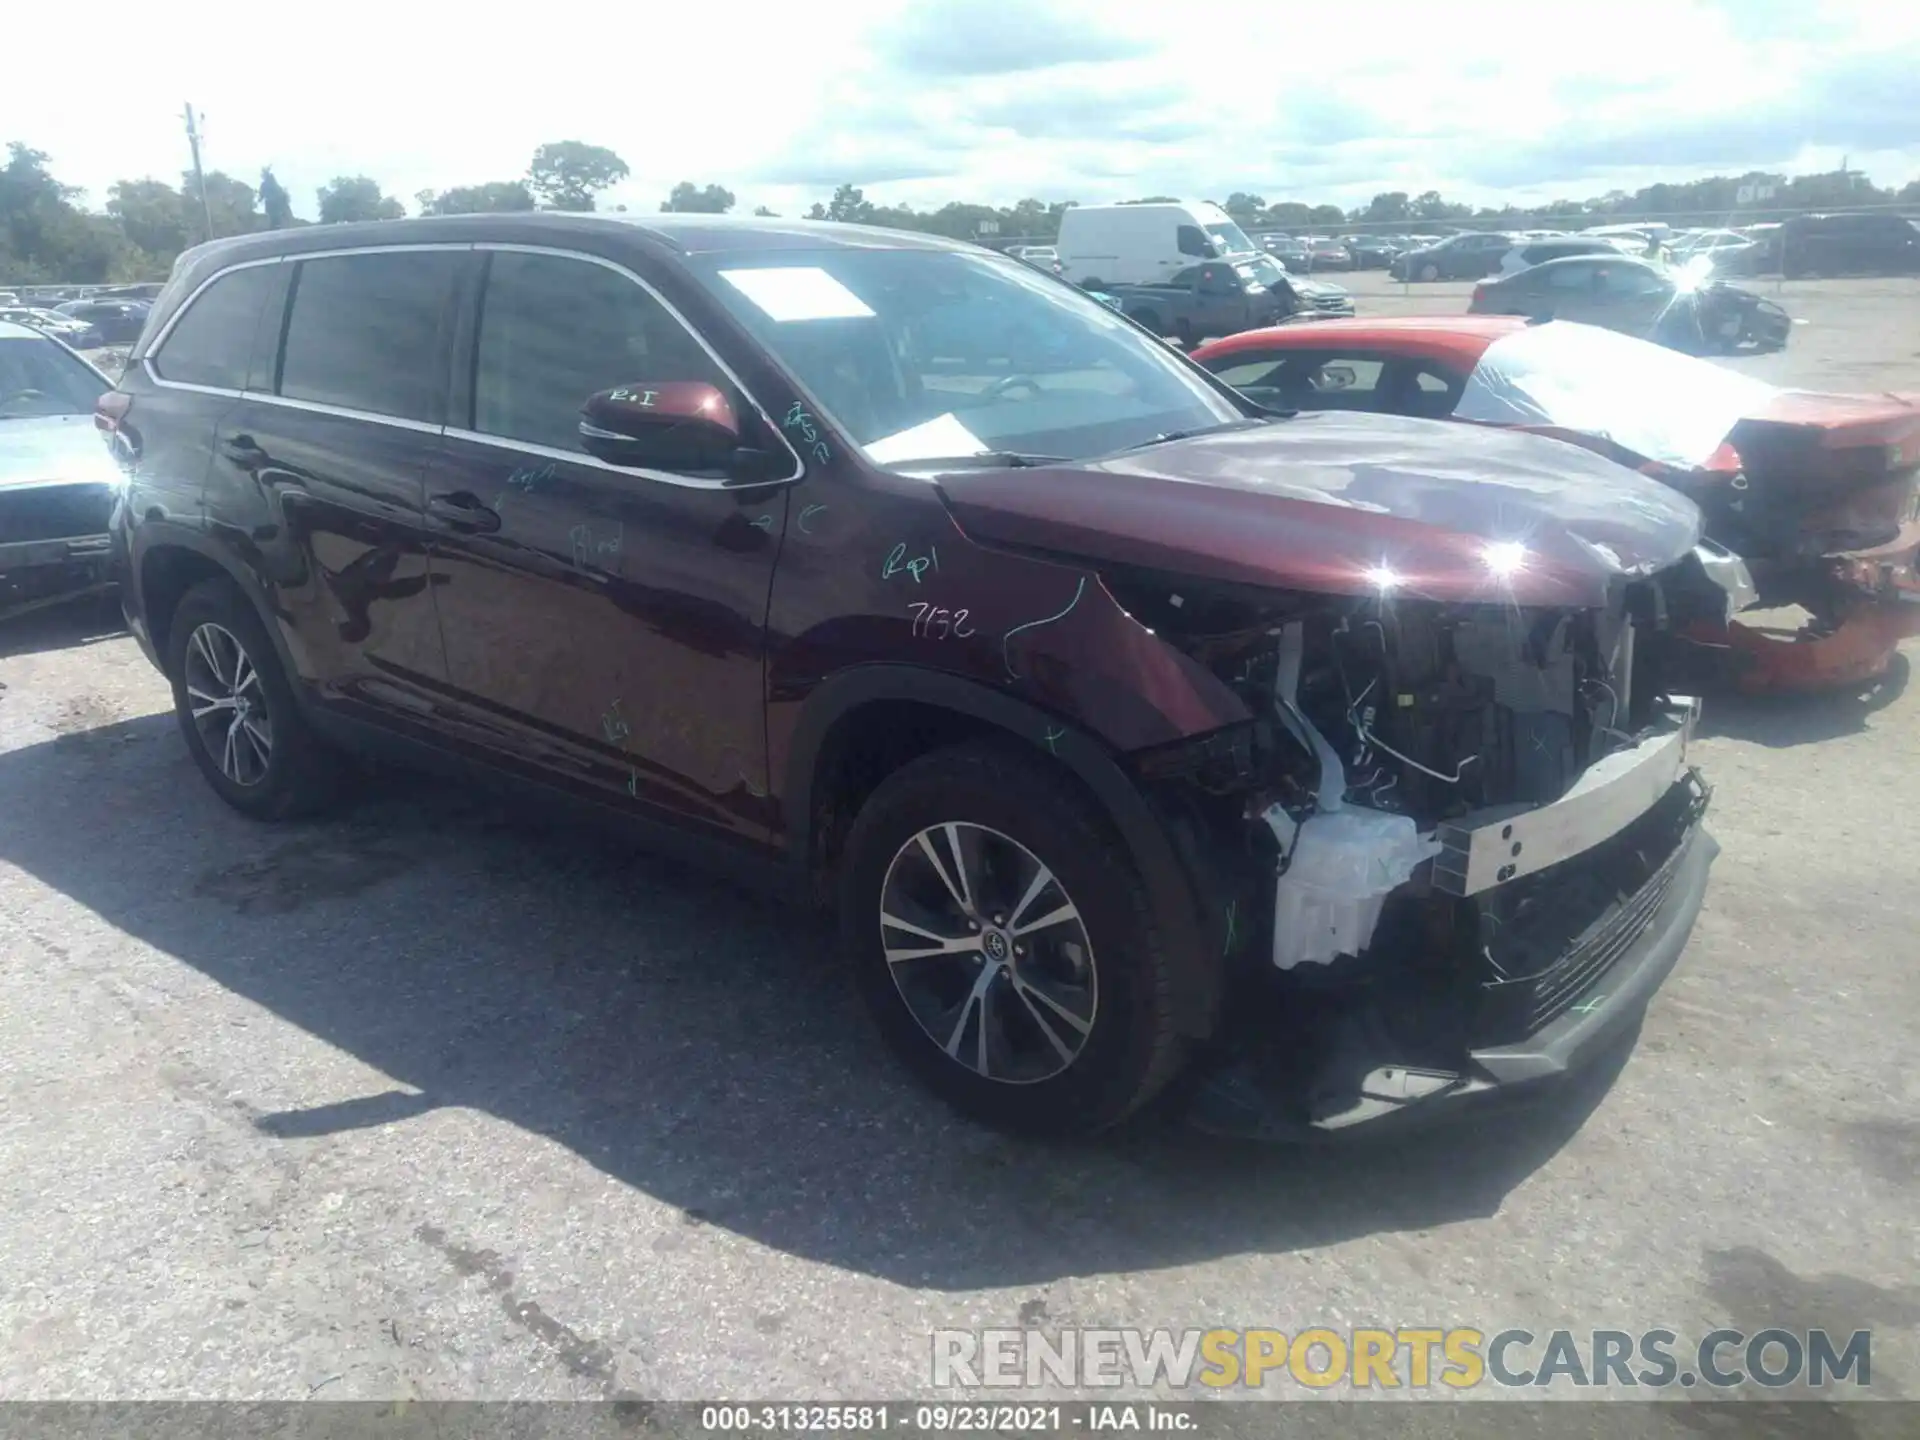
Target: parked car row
<point>67,329</point>
<point>1135,724</point>
<point>1875,243</point>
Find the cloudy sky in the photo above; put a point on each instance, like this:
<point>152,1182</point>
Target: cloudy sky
<point>923,101</point>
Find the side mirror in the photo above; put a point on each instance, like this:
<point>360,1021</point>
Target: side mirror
<point>666,425</point>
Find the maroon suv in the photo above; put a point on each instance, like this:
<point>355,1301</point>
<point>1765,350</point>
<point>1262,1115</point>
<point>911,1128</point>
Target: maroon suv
<point>1131,727</point>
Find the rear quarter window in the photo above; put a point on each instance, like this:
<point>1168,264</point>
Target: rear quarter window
<point>212,341</point>
<point>365,333</point>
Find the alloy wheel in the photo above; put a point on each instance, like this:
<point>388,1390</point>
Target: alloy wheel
<point>989,953</point>
<point>228,704</point>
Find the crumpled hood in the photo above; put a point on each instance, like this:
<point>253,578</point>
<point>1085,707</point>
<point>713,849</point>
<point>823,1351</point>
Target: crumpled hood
<point>54,449</point>
<point>1349,504</point>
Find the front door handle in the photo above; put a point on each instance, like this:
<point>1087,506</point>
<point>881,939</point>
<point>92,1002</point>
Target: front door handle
<point>464,511</point>
<point>243,450</point>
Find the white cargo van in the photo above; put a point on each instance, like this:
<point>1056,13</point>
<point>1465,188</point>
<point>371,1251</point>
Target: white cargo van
<point>1144,244</point>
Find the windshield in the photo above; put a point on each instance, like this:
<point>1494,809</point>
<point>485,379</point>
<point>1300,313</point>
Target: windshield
<point>934,354</point>
<point>1654,401</point>
<point>1230,239</point>
<point>39,376</point>
<point>1264,270</point>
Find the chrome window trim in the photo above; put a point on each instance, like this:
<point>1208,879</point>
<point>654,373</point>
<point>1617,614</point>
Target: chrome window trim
<point>347,412</point>
<point>593,462</point>
<point>454,432</point>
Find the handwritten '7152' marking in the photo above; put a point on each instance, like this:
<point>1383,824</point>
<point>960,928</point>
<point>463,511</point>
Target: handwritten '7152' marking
<point>951,622</point>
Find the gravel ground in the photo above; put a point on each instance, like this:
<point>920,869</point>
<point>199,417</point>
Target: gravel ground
<point>438,1100</point>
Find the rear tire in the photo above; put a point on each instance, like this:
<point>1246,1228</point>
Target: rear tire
<point>237,712</point>
<point>1054,1029</point>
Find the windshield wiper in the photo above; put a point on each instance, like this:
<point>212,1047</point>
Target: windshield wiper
<point>1007,459</point>
<point>1245,423</point>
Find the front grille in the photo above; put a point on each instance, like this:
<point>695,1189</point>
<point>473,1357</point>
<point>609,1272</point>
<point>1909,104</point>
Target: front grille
<point>54,512</point>
<point>1332,302</point>
<point>1554,992</point>
<point>1551,938</point>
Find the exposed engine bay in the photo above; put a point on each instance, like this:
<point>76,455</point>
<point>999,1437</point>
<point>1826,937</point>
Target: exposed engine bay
<point>1444,820</point>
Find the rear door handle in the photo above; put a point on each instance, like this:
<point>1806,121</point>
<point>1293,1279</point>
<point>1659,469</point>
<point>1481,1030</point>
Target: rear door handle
<point>242,450</point>
<point>464,511</point>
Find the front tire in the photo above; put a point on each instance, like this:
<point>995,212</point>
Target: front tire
<point>1002,941</point>
<point>1429,272</point>
<point>237,711</point>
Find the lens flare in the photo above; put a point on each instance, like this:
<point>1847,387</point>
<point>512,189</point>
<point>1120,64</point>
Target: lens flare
<point>1504,558</point>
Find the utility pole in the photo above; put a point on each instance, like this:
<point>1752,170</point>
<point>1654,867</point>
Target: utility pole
<point>199,176</point>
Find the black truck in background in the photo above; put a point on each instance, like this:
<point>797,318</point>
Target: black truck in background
<point>1224,297</point>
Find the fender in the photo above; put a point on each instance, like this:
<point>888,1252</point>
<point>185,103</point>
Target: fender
<point>163,534</point>
<point>1171,890</point>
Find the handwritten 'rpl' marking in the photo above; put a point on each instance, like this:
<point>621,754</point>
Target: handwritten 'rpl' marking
<point>614,725</point>
<point>897,561</point>
<point>762,522</point>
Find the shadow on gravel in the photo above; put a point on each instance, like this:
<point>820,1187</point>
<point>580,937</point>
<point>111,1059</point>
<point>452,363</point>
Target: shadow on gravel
<point>1783,721</point>
<point>684,1037</point>
<point>66,626</point>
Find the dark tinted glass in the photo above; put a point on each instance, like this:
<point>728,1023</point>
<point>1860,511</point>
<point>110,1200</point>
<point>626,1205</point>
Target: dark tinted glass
<point>212,341</point>
<point>365,332</point>
<point>554,331</point>
<point>1191,240</point>
<point>39,376</point>
<point>1571,277</point>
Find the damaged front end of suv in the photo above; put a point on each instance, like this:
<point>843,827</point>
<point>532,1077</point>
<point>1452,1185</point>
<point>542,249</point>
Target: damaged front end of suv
<point>1454,842</point>
<point>1438,839</point>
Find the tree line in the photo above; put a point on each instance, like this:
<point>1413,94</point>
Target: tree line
<point>47,234</point>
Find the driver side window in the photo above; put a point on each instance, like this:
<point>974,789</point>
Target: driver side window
<point>1193,241</point>
<point>1571,277</point>
<point>555,330</point>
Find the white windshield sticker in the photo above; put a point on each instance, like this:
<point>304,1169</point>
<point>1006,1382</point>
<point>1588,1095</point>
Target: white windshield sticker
<point>936,439</point>
<point>798,292</point>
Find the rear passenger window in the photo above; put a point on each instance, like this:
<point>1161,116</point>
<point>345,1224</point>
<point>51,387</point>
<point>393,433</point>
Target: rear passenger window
<point>365,332</point>
<point>555,331</point>
<point>212,341</point>
<point>1250,372</point>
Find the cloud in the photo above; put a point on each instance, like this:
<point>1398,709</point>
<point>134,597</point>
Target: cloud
<point>1862,102</point>
<point>1002,37</point>
<point>1150,113</point>
<point>923,102</point>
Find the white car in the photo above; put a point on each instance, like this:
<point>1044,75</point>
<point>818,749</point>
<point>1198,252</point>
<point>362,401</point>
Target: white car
<point>64,328</point>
